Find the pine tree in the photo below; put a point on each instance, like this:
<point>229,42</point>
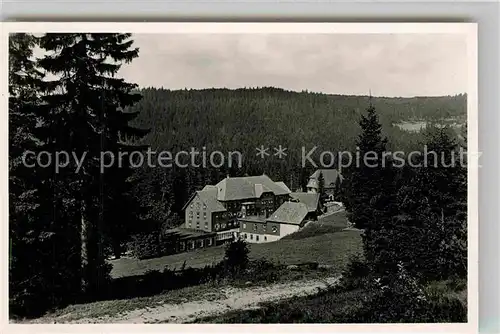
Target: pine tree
<point>337,191</point>
<point>22,122</point>
<point>429,234</point>
<point>180,188</point>
<point>371,201</point>
<point>153,189</point>
<point>321,187</point>
<point>304,179</point>
<point>435,201</point>
<point>84,113</point>
<point>26,234</point>
<point>236,257</point>
<point>366,181</point>
<point>445,185</point>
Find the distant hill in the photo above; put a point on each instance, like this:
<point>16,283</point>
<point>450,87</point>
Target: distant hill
<point>246,118</point>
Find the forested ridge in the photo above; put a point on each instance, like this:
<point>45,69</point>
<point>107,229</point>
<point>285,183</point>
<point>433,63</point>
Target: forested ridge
<point>244,119</point>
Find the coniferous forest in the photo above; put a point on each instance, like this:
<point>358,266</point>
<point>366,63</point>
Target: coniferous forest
<point>244,119</point>
<point>64,225</point>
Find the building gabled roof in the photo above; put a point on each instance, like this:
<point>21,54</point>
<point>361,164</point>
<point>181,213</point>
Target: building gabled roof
<point>209,197</point>
<point>252,219</point>
<point>330,176</point>
<point>311,200</point>
<point>238,188</point>
<point>209,187</point>
<point>292,213</point>
<point>283,185</point>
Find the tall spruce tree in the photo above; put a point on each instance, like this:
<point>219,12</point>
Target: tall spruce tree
<point>371,197</point>
<point>433,204</point>
<point>365,179</point>
<point>337,192</point>
<point>27,236</point>
<point>304,179</point>
<point>445,186</point>
<point>84,113</point>
<point>153,190</point>
<point>321,187</point>
<point>22,122</point>
<point>23,99</point>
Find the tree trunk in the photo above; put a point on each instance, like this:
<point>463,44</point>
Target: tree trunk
<point>117,249</point>
<point>84,248</point>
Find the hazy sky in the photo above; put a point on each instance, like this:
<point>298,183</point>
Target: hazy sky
<point>388,64</point>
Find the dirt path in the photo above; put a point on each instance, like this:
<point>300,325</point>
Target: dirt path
<point>234,299</point>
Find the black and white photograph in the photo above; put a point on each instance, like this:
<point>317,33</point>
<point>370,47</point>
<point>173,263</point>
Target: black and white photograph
<point>242,173</point>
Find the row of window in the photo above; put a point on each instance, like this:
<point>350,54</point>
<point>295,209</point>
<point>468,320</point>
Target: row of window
<point>274,228</point>
<point>190,224</point>
<point>224,214</point>
<point>235,206</point>
<point>224,225</point>
<point>216,226</point>
<point>245,236</point>
<point>195,244</point>
<point>232,206</point>
<point>216,215</point>
<point>197,215</point>
<point>198,205</point>
<point>221,215</point>
<point>224,236</point>
<point>267,202</point>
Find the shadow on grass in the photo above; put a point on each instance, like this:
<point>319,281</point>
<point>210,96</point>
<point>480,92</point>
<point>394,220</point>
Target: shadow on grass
<point>154,281</point>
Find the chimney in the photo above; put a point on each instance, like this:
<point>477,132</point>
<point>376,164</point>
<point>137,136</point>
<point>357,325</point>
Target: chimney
<point>258,189</point>
<point>227,176</point>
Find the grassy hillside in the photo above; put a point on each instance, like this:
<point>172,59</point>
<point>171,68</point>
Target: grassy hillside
<point>332,249</point>
<point>314,243</point>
